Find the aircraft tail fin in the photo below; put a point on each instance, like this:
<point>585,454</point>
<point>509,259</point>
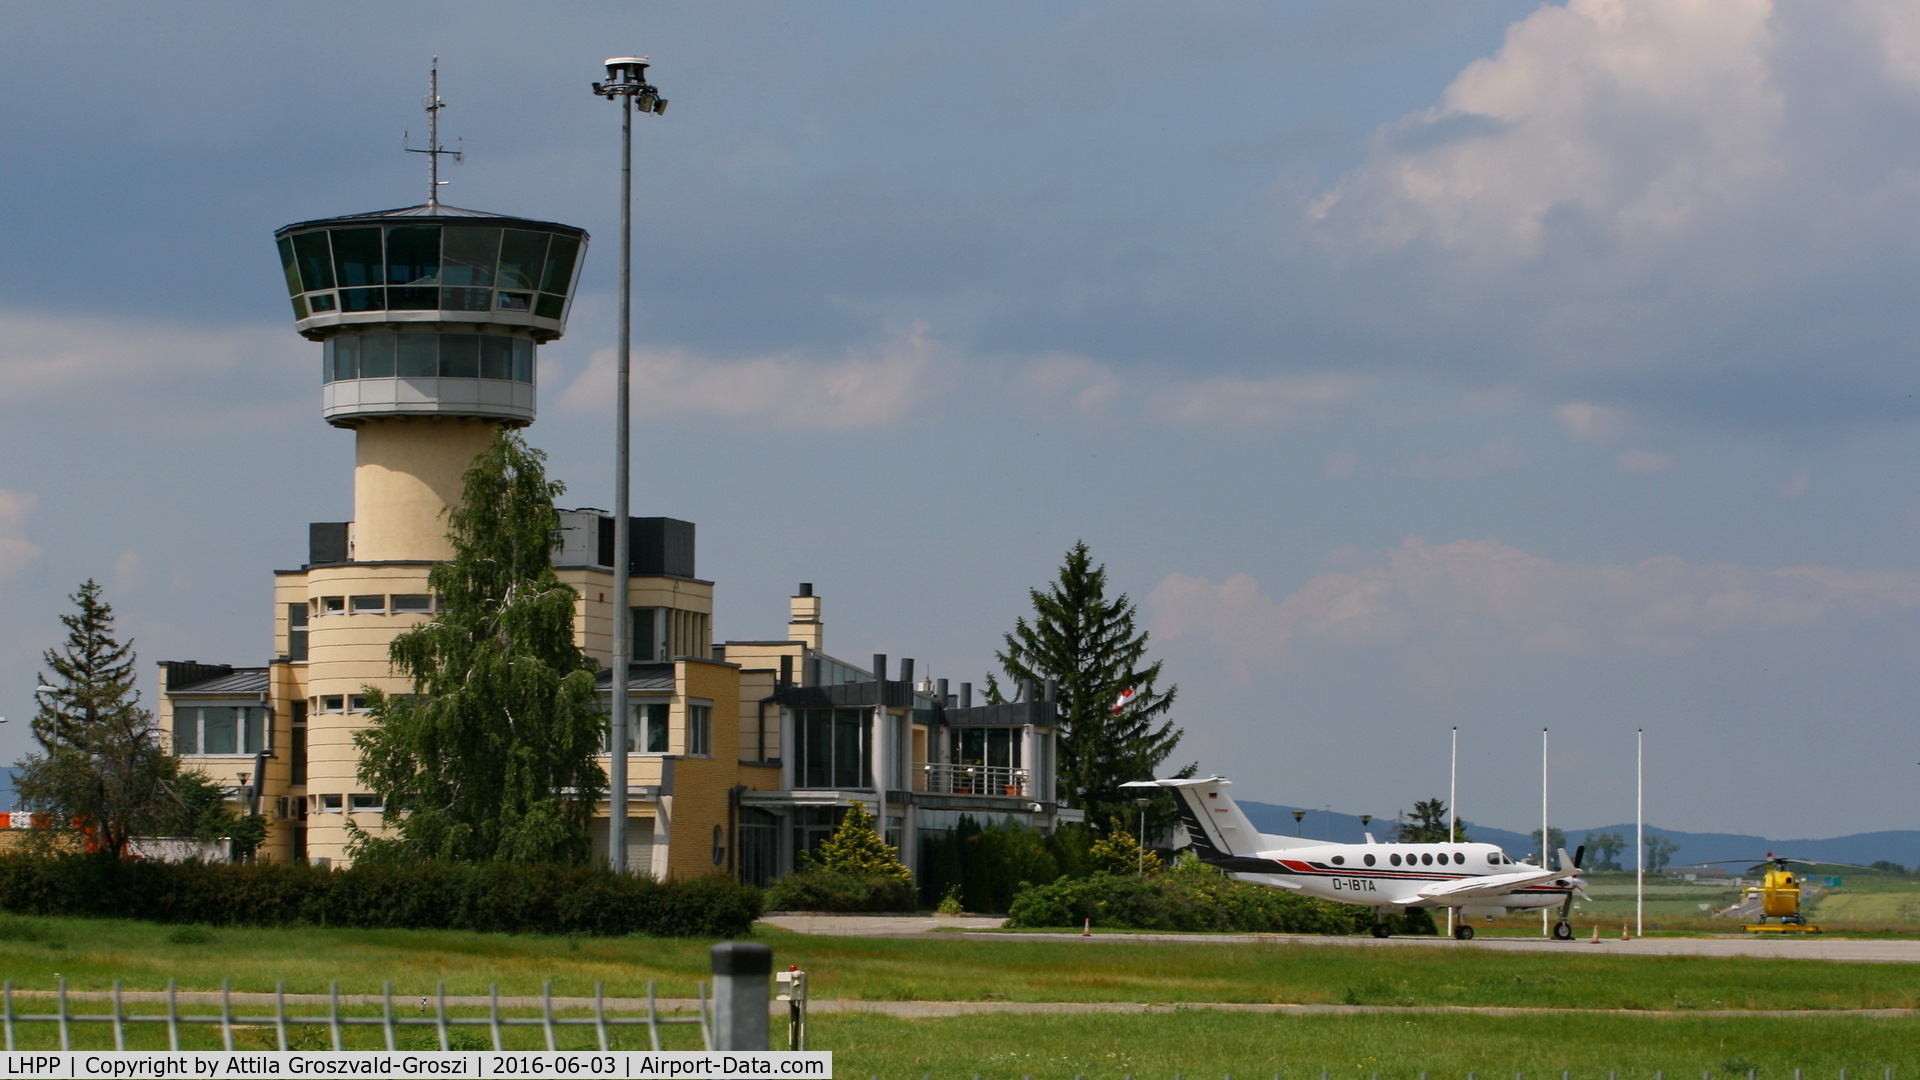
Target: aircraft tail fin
<point>1216,827</point>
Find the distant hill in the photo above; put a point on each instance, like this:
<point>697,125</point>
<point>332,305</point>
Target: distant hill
<point>1899,845</point>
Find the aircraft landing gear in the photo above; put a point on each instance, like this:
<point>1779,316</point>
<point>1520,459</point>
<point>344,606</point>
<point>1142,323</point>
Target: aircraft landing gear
<point>1563,931</point>
<point>1380,930</point>
<point>1463,932</point>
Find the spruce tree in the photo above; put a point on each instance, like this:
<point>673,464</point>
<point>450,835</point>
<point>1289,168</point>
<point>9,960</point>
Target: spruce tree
<point>1092,648</point>
<point>493,755</point>
<point>856,847</point>
<point>101,768</point>
<point>1429,824</point>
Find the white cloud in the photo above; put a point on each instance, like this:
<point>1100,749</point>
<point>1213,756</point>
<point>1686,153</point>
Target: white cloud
<point>1485,593</point>
<point>1279,401</point>
<point>1495,457</point>
<point>129,570</point>
<point>1081,386</point>
<point>1643,461</point>
<point>1639,113</point>
<point>874,387</point>
<point>1586,422</point>
<point>16,551</point>
<point>42,354</point>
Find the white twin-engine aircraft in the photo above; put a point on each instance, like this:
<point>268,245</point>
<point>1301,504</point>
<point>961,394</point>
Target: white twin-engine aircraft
<point>1479,879</point>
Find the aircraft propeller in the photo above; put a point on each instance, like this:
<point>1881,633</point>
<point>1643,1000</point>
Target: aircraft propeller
<point>1566,906</point>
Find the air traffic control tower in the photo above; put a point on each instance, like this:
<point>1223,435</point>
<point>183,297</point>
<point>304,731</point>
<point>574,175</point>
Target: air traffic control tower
<point>429,319</point>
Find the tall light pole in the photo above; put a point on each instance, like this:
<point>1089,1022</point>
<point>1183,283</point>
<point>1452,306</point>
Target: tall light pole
<point>627,84</point>
<point>1543,821</point>
<point>1453,808</point>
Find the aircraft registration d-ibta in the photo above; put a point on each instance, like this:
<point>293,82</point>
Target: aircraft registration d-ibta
<point>1479,879</point>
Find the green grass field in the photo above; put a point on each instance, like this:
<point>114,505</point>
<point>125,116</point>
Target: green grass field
<point>91,954</point>
<point>1203,1044</point>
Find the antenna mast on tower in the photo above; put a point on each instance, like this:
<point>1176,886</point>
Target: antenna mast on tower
<point>434,149</point>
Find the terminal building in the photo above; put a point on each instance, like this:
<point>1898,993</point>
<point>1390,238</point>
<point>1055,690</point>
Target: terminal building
<point>427,323</point>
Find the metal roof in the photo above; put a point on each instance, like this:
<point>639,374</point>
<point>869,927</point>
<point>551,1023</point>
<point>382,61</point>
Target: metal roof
<point>241,682</point>
<point>424,210</point>
<point>652,678</point>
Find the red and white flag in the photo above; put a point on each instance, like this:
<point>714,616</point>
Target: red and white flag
<point>1125,699</point>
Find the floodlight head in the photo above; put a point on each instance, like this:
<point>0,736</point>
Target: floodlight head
<point>622,69</point>
<point>43,688</point>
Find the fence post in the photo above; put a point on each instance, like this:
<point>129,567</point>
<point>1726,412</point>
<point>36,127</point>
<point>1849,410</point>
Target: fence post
<point>742,971</point>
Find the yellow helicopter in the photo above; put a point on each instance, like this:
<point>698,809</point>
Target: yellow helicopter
<point>1779,893</point>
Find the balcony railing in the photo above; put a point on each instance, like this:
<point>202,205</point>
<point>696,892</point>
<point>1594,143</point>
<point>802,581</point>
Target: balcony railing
<point>939,778</point>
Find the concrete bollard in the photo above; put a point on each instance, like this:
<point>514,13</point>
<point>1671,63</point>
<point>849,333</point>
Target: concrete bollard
<point>742,971</point>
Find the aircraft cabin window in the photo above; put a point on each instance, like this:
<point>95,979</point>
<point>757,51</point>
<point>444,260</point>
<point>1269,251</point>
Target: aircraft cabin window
<point>1427,857</point>
<point>1394,859</point>
<point>1368,859</point>
<point>1339,860</point>
<point>1459,858</point>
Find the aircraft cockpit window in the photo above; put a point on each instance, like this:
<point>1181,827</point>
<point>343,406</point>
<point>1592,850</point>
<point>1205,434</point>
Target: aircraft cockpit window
<point>1368,859</point>
<point>1394,859</point>
<point>1339,860</point>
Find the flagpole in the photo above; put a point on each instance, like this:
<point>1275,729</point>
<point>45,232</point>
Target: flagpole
<point>1639,830</point>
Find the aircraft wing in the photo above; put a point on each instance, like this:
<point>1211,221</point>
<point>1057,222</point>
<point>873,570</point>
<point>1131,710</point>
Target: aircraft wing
<point>1491,885</point>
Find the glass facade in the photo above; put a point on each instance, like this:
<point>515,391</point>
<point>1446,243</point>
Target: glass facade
<point>219,729</point>
<point>418,267</point>
<point>834,748</point>
<point>427,355</point>
<point>997,747</point>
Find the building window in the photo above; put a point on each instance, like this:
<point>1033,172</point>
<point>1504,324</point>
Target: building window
<point>333,703</point>
<point>646,731</point>
<point>365,803</point>
<point>412,602</point>
<point>297,633</point>
<point>428,355</point>
<point>812,825</point>
<point>297,753</point>
<point>834,748</point>
<point>374,604</point>
<point>332,605</point>
<point>700,730</point>
<point>219,729</point>
<point>357,703</point>
<point>327,804</point>
<point>995,747</point>
<point>759,844</point>
<point>648,635</point>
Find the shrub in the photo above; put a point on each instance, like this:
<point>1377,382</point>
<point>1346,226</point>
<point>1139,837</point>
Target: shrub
<point>1186,901</point>
<point>856,848</point>
<point>492,897</point>
<point>831,890</point>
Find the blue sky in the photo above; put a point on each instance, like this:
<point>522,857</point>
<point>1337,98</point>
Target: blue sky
<point>1497,365</point>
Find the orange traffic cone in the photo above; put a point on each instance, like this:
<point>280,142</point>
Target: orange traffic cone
<point>1596,933</point>
<point>1086,930</point>
<point>1623,932</point>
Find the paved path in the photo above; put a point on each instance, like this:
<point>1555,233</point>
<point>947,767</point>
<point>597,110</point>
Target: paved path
<point>1807,947</point>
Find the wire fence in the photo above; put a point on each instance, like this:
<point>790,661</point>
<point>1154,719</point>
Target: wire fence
<point>391,1022</point>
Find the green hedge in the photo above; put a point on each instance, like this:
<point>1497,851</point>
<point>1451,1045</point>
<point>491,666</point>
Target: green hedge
<point>1192,902</point>
<point>493,897</point>
<point>831,890</point>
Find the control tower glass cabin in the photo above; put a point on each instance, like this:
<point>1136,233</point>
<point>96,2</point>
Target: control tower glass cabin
<point>430,310</point>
